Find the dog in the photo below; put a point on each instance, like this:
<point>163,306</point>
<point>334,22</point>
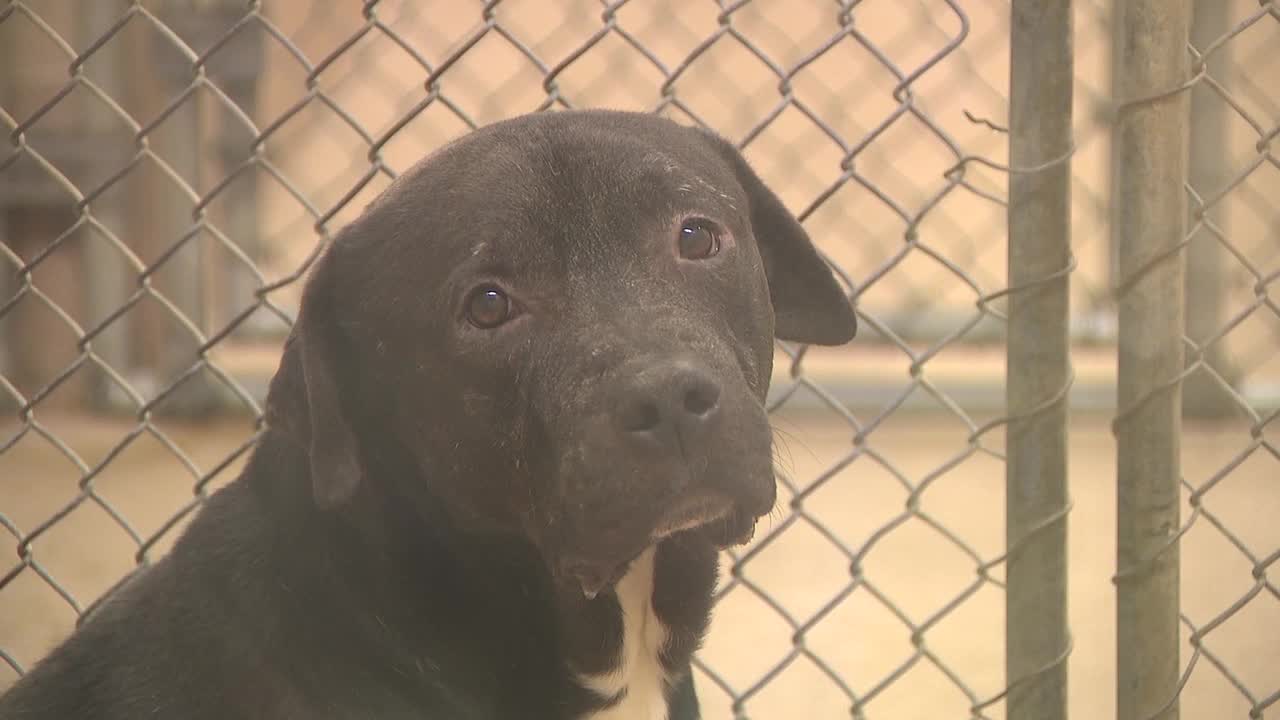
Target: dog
<point>519,414</point>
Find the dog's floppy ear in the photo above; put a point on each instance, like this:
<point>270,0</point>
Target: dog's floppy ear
<point>303,401</point>
<point>808,304</point>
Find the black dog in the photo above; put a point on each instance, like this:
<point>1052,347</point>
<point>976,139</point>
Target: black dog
<point>519,413</point>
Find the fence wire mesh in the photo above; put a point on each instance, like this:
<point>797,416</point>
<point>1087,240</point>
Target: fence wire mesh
<point>172,167</point>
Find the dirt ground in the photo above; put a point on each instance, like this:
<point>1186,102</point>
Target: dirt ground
<point>913,567</point>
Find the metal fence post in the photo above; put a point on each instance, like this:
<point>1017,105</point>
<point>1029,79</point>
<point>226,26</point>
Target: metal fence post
<point>1206,274</point>
<point>1149,206</point>
<point>107,280</point>
<point>161,74</point>
<point>239,67</point>
<point>1039,372</point>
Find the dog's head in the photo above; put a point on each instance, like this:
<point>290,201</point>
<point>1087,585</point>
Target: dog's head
<point>566,320</point>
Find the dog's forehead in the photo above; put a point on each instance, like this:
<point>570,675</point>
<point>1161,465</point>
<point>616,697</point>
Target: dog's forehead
<point>553,196</point>
<point>560,200</point>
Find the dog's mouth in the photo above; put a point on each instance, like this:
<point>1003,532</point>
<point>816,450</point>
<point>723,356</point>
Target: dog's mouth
<point>711,514</point>
<point>692,511</point>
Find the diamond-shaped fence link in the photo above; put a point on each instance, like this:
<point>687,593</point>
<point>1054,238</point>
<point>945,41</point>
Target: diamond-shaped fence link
<point>171,168</point>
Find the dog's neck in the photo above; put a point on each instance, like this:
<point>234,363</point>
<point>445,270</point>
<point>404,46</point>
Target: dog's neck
<point>430,596</point>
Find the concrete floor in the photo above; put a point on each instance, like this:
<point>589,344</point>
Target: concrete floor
<point>913,566</point>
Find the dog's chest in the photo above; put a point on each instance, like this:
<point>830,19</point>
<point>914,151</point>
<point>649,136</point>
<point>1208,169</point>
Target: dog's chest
<point>639,679</point>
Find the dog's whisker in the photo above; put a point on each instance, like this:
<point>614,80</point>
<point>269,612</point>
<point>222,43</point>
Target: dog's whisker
<point>787,438</point>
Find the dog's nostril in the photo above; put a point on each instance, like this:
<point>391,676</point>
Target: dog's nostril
<point>641,417</point>
<point>701,400</point>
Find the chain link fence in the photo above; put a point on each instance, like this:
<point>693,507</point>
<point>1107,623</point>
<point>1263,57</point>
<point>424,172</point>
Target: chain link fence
<point>172,167</point>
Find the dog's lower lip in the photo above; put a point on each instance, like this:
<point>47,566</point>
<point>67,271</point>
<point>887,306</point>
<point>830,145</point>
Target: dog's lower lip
<point>745,536</point>
<point>692,511</point>
<point>711,511</point>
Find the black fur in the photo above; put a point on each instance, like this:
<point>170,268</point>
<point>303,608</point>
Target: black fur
<point>413,535</point>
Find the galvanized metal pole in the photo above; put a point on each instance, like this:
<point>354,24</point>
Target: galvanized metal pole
<point>1202,397</point>
<point>163,216</point>
<point>1149,172</point>
<point>108,279</point>
<point>1040,95</point>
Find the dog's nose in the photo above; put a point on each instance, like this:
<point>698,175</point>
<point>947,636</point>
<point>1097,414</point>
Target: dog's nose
<point>672,404</point>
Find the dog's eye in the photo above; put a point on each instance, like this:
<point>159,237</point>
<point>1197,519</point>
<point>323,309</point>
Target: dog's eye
<point>488,307</point>
<point>698,239</point>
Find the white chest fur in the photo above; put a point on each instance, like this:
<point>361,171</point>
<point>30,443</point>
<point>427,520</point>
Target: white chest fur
<point>639,670</point>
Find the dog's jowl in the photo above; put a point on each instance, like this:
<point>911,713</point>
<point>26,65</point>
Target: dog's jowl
<point>520,412</point>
